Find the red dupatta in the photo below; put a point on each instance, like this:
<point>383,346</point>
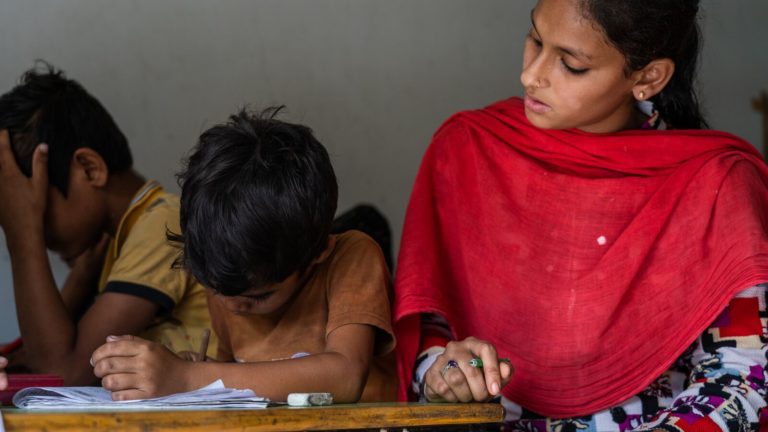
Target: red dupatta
<point>591,261</point>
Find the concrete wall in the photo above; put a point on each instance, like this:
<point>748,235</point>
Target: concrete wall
<point>373,78</point>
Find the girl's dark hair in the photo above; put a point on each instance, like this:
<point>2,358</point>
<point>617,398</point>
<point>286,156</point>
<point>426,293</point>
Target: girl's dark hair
<point>652,29</point>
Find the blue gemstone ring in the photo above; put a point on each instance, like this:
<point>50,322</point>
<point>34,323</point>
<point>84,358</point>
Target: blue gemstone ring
<point>450,365</point>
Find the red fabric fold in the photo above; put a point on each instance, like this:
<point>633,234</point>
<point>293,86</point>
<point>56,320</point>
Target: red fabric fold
<point>591,261</point>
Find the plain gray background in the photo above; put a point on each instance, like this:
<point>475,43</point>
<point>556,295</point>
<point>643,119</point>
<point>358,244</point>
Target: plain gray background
<point>373,78</point>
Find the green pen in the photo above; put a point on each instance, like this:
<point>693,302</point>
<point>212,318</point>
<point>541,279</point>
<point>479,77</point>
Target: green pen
<point>477,362</point>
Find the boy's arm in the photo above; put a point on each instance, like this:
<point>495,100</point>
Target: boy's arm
<point>133,368</point>
<point>54,343</point>
<point>81,286</point>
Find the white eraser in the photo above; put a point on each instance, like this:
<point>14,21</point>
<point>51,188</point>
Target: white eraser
<point>309,399</point>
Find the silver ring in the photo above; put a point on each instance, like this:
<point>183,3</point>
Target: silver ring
<point>448,366</point>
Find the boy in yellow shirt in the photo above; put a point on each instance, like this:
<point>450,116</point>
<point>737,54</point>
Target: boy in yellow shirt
<point>78,195</point>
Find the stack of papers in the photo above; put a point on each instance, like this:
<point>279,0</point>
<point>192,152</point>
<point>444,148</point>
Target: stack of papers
<point>214,395</point>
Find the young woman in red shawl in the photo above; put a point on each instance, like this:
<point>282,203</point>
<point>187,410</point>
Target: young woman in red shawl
<point>595,235</point>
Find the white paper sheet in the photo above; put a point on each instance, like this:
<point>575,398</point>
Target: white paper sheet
<point>214,395</point>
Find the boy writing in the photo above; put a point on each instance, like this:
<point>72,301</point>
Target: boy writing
<point>78,195</point>
<point>295,308</point>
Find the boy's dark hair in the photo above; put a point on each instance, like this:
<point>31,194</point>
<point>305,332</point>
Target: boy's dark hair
<point>46,107</point>
<point>258,196</point>
<point>652,29</point>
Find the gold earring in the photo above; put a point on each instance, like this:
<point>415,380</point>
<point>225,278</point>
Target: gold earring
<point>641,96</point>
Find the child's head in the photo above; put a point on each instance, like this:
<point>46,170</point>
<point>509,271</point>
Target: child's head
<point>257,205</point>
<point>587,62</point>
<point>47,107</point>
<point>85,147</point>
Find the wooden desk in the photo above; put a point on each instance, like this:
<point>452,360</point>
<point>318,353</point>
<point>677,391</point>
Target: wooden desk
<point>396,417</point>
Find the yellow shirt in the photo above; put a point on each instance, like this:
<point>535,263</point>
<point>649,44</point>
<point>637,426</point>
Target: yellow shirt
<point>139,262</point>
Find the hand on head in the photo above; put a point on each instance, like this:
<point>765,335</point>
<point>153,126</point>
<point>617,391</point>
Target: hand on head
<point>24,199</point>
<point>3,377</point>
<point>452,379</point>
<point>134,368</point>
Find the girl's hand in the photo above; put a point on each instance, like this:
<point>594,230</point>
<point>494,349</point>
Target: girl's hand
<point>3,377</point>
<point>134,368</point>
<point>452,379</point>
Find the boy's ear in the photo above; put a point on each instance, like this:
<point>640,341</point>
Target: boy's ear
<point>651,80</point>
<point>92,165</point>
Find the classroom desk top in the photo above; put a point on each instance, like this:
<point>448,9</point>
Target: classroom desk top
<point>389,416</point>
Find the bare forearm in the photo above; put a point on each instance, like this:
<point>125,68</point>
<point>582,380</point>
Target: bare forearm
<point>45,325</point>
<point>133,368</point>
<point>78,292</point>
<point>325,372</point>
<point>82,283</point>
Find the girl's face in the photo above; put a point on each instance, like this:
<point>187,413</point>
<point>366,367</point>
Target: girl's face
<point>573,77</point>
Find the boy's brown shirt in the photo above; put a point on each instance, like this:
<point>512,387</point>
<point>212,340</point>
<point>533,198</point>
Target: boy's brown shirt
<point>349,287</point>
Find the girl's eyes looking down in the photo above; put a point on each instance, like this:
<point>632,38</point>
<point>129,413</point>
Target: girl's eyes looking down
<point>572,70</point>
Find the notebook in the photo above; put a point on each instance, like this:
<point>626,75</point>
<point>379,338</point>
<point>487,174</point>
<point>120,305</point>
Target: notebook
<point>17,382</point>
<point>214,395</point>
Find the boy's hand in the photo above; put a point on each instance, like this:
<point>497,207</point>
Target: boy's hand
<point>23,199</point>
<point>134,368</point>
<point>3,377</point>
<point>81,285</point>
<point>91,260</point>
<point>452,379</point>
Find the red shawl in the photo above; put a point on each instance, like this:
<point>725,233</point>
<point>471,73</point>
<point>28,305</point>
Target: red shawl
<point>591,261</point>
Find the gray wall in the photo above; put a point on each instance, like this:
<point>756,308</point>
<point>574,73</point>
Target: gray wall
<point>373,78</point>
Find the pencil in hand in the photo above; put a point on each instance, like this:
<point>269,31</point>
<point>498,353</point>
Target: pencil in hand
<point>477,362</point>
